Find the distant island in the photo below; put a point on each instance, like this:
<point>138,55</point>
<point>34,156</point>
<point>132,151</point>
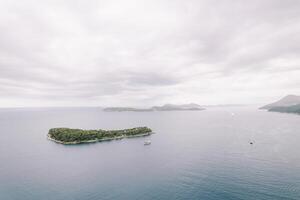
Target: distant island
<point>166,107</point>
<point>124,109</point>
<point>171,107</point>
<point>288,104</point>
<point>288,109</point>
<point>77,136</point>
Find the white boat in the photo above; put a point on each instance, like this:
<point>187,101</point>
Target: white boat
<point>148,142</point>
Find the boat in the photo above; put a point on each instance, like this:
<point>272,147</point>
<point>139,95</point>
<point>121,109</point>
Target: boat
<point>148,142</point>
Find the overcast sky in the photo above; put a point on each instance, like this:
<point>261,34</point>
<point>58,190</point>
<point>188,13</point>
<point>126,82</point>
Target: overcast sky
<point>142,53</point>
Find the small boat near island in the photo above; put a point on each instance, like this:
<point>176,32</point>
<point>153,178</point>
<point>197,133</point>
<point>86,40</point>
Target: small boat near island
<point>148,142</point>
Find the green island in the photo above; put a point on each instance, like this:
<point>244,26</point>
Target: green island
<point>77,136</point>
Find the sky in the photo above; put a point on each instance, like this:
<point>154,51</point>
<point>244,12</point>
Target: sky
<point>144,53</point>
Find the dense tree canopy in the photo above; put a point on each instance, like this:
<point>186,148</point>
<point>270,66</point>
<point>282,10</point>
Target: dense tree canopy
<point>79,135</point>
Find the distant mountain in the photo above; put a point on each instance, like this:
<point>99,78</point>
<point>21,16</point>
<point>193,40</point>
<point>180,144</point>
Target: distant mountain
<point>166,107</point>
<point>223,105</point>
<point>288,104</point>
<point>287,109</point>
<point>124,109</point>
<point>286,101</point>
<point>171,107</point>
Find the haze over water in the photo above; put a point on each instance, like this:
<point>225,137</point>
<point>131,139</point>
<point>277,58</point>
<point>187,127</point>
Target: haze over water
<point>193,155</point>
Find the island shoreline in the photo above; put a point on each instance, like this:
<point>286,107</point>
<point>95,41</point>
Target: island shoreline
<point>98,140</point>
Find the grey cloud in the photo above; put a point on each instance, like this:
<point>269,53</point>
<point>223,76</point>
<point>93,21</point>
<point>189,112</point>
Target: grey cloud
<point>150,79</point>
<point>134,52</point>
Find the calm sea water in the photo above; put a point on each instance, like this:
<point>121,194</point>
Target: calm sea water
<point>193,155</point>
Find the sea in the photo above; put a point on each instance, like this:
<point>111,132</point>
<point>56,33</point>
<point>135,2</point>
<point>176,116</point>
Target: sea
<point>193,155</point>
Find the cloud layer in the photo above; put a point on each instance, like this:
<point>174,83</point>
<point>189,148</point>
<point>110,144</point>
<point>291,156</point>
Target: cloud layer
<point>134,52</point>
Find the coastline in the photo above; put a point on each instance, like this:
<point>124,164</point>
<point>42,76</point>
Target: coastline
<point>98,140</point>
